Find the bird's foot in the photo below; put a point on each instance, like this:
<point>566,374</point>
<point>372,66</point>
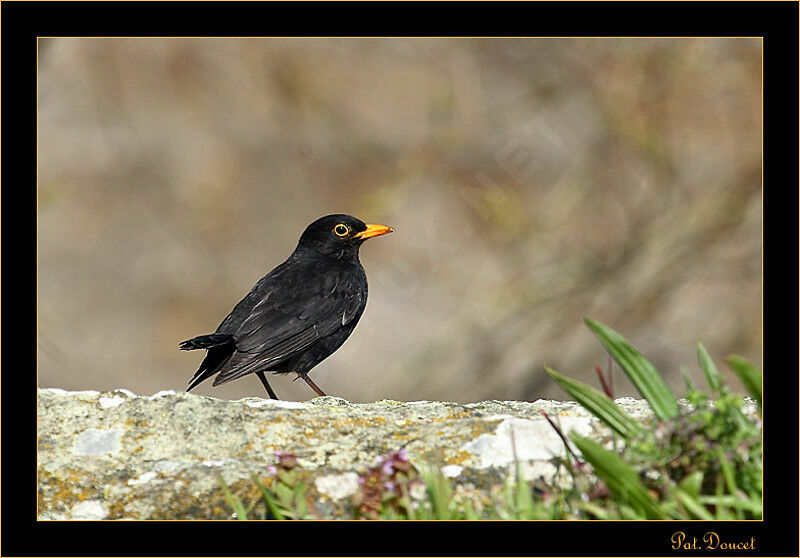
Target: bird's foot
<point>311,384</point>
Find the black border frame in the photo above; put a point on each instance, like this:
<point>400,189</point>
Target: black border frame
<point>23,22</point>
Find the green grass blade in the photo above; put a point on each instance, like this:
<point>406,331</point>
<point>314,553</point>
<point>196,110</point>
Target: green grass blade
<point>692,505</point>
<point>440,494</point>
<point>629,513</point>
<point>744,504</point>
<point>233,500</point>
<point>727,471</point>
<point>469,512</point>
<point>523,500</point>
<point>729,477</point>
<point>269,500</point>
<point>598,511</point>
<point>411,513</point>
<point>749,374</point>
<point>722,510</point>
<point>640,370</point>
<point>597,403</point>
<point>620,478</point>
<point>709,369</point>
<point>687,379</point>
<point>692,483</point>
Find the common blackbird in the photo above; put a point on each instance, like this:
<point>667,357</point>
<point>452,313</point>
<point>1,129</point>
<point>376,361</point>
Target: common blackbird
<point>298,314</point>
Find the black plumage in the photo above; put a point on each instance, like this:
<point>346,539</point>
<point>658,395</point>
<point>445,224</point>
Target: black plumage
<point>298,314</point>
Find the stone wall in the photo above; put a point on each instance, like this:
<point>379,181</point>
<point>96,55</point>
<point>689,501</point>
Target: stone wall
<point>116,455</point>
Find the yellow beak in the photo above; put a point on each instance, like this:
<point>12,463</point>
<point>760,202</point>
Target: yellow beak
<point>373,230</point>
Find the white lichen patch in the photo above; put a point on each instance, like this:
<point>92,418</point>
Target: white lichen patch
<point>143,479</point>
<point>498,417</point>
<point>163,393</point>
<point>452,470</point>
<point>110,402</point>
<point>85,393</point>
<point>532,439</point>
<point>330,401</point>
<point>337,486</point>
<point>532,470</point>
<point>281,404</point>
<point>97,442</point>
<point>89,509</point>
<point>51,516</point>
<point>217,462</point>
<point>418,491</point>
<point>168,467</point>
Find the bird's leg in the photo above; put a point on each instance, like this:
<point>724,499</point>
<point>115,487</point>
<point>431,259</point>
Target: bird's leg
<point>311,384</point>
<point>263,378</point>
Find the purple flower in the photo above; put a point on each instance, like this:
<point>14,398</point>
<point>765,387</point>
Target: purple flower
<point>286,460</point>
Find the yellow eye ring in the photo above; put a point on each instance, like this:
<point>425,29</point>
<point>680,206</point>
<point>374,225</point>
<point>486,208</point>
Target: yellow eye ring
<point>341,230</point>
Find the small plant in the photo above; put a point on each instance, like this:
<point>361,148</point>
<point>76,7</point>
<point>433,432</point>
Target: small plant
<point>396,489</point>
<point>385,489</point>
<point>702,461</point>
<point>286,496</point>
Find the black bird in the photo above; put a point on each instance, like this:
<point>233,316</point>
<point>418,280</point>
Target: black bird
<point>298,314</point>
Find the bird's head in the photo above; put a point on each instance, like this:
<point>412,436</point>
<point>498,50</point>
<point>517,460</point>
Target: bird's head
<point>339,236</point>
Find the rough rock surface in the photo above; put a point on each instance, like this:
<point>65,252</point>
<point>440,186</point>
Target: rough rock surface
<point>116,455</point>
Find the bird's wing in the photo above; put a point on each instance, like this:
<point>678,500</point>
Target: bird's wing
<point>296,312</point>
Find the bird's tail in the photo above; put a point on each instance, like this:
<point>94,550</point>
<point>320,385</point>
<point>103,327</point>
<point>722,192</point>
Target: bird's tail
<point>205,341</point>
<point>220,348</point>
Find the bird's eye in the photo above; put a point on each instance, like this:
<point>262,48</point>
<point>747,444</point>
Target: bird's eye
<point>341,230</point>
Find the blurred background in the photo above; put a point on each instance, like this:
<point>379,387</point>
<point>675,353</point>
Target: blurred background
<point>529,181</point>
